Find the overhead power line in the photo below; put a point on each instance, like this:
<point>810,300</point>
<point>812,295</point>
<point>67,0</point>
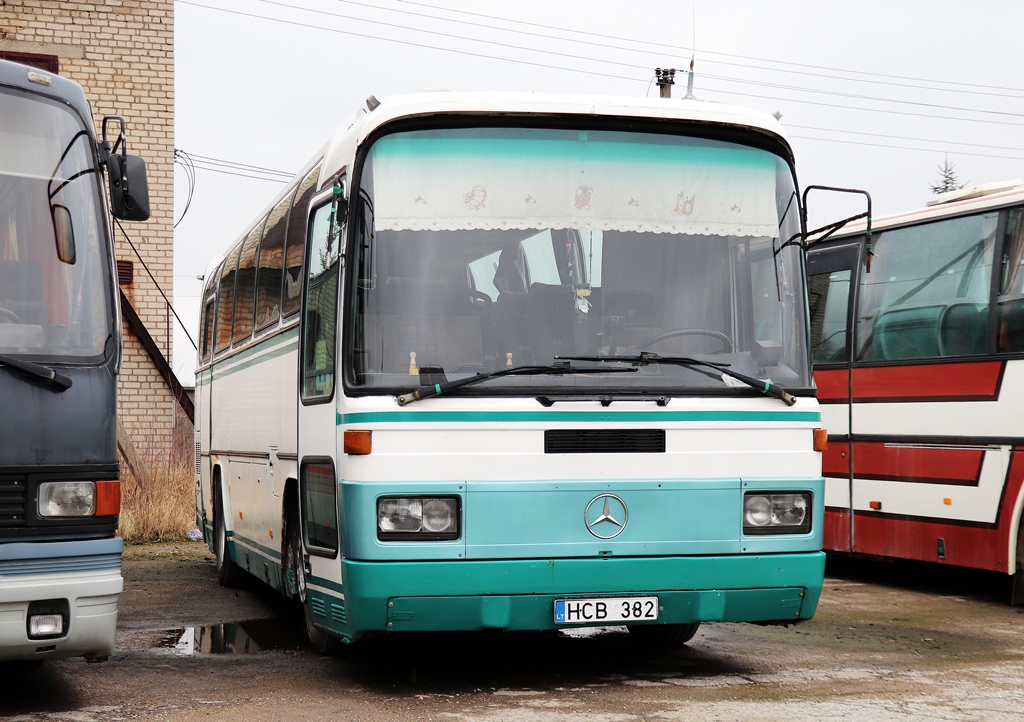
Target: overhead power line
<point>193,162</point>
<point>409,43</point>
<point>816,91</point>
<point>688,51</point>
<point>260,173</point>
<point>675,50</point>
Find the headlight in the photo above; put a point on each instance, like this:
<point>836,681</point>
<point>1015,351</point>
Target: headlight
<point>66,498</point>
<point>776,513</point>
<point>417,518</point>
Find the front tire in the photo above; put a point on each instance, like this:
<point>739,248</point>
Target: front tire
<point>1017,580</point>
<point>663,635</point>
<point>295,573</point>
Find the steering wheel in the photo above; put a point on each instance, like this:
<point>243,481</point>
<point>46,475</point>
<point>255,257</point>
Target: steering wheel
<point>9,316</point>
<point>726,341</point>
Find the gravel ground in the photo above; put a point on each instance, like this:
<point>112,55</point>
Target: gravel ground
<point>890,642</point>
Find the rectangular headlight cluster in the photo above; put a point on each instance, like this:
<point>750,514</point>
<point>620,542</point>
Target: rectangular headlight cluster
<point>418,518</point>
<point>66,498</point>
<point>771,512</point>
<point>56,499</point>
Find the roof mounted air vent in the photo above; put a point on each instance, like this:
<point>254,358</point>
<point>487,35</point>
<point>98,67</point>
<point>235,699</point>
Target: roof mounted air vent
<point>974,192</point>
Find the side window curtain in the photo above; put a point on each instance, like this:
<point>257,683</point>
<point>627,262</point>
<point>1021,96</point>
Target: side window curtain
<point>295,245</point>
<point>206,345</point>
<point>245,285</point>
<point>1011,286</point>
<point>321,306</point>
<point>928,291</point>
<point>225,303</point>
<point>270,263</point>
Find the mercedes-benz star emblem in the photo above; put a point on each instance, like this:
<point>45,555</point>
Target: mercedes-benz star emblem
<point>610,521</point>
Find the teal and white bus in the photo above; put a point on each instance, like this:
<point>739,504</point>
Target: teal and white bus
<point>519,362</point>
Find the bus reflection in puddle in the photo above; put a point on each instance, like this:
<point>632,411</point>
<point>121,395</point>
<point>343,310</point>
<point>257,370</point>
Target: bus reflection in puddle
<point>232,638</point>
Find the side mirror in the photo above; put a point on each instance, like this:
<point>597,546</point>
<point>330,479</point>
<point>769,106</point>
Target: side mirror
<point>129,189</point>
<point>64,232</point>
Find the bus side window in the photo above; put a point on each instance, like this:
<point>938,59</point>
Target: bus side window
<point>928,291</point>
<point>245,285</point>
<point>295,245</point>
<point>206,345</point>
<point>321,314</point>
<point>270,263</point>
<point>1011,287</point>
<point>829,295</point>
<point>225,303</point>
<point>319,491</point>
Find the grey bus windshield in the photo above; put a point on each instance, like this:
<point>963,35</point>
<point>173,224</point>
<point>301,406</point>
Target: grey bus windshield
<point>54,263</point>
<point>487,248</point>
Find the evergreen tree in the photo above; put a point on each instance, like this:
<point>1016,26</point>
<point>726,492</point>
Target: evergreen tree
<point>947,179</point>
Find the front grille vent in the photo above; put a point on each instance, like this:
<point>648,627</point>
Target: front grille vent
<point>12,503</point>
<point>604,441</point>
<point>199,458</point>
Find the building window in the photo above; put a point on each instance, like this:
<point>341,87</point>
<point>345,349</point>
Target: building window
<point>36,60</point>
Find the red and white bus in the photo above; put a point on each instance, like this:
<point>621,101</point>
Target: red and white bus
<point>918,349</point>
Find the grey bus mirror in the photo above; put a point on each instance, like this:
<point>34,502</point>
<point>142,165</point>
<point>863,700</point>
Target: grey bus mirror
<point>64,232</point>
<point>129,189</point>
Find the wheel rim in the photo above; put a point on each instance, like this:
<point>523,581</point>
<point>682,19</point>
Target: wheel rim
<point>300,576</point>
<point>220,546</point>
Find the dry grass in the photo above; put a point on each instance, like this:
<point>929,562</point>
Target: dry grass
<point>160,507</point>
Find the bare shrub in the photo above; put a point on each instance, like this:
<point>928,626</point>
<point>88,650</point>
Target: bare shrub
<point>161,506</point>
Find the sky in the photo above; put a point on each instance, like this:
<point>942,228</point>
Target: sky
<point>875,94</point>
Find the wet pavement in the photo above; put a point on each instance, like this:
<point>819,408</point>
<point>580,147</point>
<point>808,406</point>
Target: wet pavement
<point>890,641</point>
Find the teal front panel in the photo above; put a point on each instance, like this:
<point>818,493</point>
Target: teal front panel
<point>546,519</point>
<point>528,519</point>
<point>520,594</point>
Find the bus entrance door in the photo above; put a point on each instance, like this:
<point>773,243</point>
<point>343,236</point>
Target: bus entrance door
<point>831,282</point>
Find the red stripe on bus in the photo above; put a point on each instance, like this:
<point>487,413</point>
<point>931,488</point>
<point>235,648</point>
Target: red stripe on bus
<point>833,386</point>
<point>902,538</point>
<point>837,530</point>
<point>929,465</point>
<point>966,544</point>
<point>835,460</point>
<point>971,381</point>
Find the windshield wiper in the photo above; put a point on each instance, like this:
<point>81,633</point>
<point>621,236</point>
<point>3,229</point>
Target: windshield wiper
<point>645,358</point>
<point>60,381</point>
<point>558,368</point>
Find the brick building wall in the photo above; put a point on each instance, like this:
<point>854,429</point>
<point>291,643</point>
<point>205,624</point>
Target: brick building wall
<point>122,53</point>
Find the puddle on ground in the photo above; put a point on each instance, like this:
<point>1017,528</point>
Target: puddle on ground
<point>258,635</point>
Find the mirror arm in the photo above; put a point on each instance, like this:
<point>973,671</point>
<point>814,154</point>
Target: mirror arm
<point>833,227</point>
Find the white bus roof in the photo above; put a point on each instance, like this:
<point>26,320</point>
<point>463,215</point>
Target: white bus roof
<point>966,200</point>
<point>421,105</point>
<point>339,150</point>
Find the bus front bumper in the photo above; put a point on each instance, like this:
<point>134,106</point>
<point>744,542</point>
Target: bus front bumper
<point>86,574</point>
<point>521,594</point>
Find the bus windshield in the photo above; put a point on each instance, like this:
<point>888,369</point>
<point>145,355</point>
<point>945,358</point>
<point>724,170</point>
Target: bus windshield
<point>482,249</point>
<point>54,269</point>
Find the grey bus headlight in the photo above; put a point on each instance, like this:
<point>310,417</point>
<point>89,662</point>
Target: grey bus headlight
<point>776,513</point>
<point>417,518</point>
<point>66,498</point>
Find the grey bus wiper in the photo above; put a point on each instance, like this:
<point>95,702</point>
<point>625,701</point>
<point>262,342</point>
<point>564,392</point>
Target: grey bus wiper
<point>60,381</point>
<point>558,368</point>
<point>645,358</point>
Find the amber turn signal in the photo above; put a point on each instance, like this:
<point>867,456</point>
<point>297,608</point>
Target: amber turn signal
<point>358,443</point>
<point>820,439</point>
<point>108,498</point>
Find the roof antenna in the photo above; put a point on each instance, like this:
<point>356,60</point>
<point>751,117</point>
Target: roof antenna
<point>689,76</point>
